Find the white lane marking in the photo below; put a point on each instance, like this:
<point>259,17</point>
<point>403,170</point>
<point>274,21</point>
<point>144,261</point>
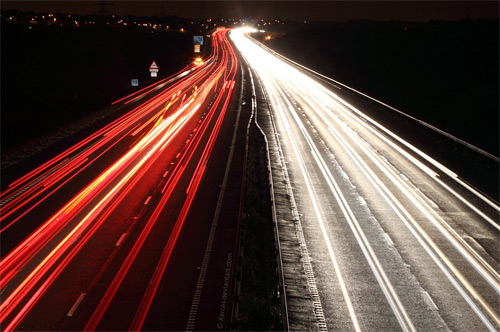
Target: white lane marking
<point>312,194</point>
<point>486,271</point>
<point>120,240</point>
<point>417,151</point>
<point>193,311</point>
<point>427,243</point>
<point>428,171</point>
<point>75,305</point>
<point>476,261</point>
<point>428,299</point>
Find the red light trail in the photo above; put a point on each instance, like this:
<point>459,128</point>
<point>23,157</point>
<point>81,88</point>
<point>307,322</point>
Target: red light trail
<point>179,124</point>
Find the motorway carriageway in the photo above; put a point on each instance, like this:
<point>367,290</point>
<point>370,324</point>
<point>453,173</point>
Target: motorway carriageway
<point>126,229</point>
<point>390,239</point>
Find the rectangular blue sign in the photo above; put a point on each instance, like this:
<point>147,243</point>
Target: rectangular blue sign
<point>135,82</point>
<point>198,40</point>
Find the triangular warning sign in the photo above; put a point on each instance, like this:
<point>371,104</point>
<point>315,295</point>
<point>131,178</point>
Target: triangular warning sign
<point>153,66</point>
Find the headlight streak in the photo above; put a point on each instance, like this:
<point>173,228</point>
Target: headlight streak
<point>429,245</point>
<point>484,269</point>
<point>480,265</point>
<point>456,139</point>
<point>363,242</point>
<point>310,90</point>
<point>418,163</point>
<point>438,165</point>
<point>383,281</point>
<point>318,212</point>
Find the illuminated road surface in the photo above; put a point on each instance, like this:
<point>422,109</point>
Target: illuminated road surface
<point>99,223</point>
<point>396,241</point>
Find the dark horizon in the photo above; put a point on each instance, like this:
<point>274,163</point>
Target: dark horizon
<point>341,11</point>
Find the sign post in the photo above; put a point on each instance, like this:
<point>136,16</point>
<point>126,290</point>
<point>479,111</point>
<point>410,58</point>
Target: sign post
<point>197,41</point>
<point>153,69</point>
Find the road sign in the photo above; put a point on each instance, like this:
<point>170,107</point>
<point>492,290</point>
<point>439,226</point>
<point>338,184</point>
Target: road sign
<point>135,82</point>
<point>198,40</point>
<point>153,67</point>
<point>154,74</point>
<point>196,48</point>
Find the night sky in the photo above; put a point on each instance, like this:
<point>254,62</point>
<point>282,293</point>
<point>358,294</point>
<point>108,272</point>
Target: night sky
<point>295,10</point>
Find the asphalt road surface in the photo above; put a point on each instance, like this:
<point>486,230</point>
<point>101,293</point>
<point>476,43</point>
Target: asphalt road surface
<point>136,226</point>
<point>396,241</point>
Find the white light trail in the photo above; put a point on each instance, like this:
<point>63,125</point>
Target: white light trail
<point>329,111</point>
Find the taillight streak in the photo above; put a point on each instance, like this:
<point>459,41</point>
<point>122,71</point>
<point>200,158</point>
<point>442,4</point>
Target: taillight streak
<point>94,203</point>
<point>153,285</point>
<point>50,176</point>
<point>28,283</point>
<point>169,187</point>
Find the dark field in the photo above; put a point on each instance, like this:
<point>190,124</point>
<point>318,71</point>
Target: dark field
<point>444,73</point>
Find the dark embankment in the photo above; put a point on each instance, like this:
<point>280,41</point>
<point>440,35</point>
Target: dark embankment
<point>53,75</point>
